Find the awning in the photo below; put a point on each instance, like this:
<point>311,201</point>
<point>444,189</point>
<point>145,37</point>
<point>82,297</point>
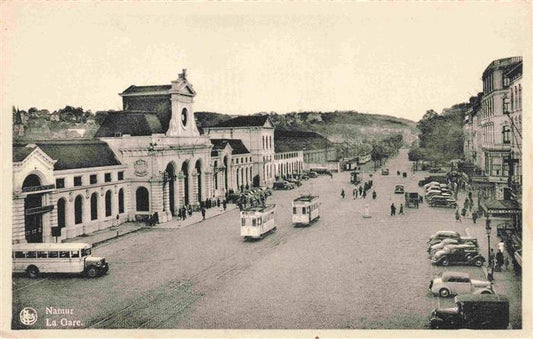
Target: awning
<point>501,207</point>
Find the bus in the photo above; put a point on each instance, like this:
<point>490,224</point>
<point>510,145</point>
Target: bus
<point>305,210</point>
<point>257,221</point>
<point>36,258</point>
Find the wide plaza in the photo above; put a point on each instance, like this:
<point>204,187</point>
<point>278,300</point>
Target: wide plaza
<point>343,272</point>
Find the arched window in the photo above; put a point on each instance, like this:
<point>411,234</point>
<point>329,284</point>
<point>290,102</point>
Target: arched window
<point>108,203</point>
<point>78,210</point>
<point>61,213</point>
<point>141,197</point>
<point>121,201</point>
<point>94,206</point>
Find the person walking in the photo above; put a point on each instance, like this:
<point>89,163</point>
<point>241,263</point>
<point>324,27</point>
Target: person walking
<point>354,193</point>
<point>364,194</point>
<point>374,195</point>
<point>457,216</point>
<point>224,204</point>
<point>401,209</point>
<point>499,260</point>
<point>392,209</point>
<point>203,212</point>
<point>342,193</point>
<point>361,191</point>
<point>474,216</point>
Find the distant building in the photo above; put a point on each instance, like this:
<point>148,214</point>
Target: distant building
<point>257,134</point>
<point>317,151</point>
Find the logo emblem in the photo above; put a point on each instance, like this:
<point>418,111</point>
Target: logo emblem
<point>28,316</point>
<point>140,167</point>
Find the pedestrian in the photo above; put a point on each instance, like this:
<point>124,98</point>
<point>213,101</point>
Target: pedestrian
<point>364,194</point>
<point>342,193</point>
<point>189,209</point>
<point>474,216</point>
<point>506,263</point>
<point>374,195</point>
<point>361,191</point>
<point>421,199</point>
<point>499,260</point>
<point>218,202</point>
<point>203,212</point>
<point>224,204</point>
<point>392,209</point>
<point>457,216</point>
<point>463,212</point>
<point>401,209</point>
<point>354,193</point>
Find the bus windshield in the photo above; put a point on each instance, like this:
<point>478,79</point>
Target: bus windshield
<point>85,252</point>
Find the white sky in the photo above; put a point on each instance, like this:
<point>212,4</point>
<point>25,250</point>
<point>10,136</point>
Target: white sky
<point>397,58</point>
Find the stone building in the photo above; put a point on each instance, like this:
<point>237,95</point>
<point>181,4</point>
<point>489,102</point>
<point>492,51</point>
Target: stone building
<point>257,134</point>
<point>232,166</point>
<point>317,151</point>
<point>62,189</point>
<point>168,161</point>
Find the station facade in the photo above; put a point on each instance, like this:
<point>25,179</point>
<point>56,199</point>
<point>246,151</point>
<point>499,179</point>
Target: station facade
<point>147,160</point>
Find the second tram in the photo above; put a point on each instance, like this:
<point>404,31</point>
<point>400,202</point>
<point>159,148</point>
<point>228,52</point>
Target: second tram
<point>305,210</point>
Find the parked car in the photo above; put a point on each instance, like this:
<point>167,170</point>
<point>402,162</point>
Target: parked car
<point>384,171</point>
<point>432,184</point>
<point>399,189</point>
<point>442,201</point>
<point>455,283</point>
<point>312,174</point>
<point>438,236</point>
<point>458,255</point>
<point>452,241</point>
<point>469,246</point>
<point>295,182</point>
<point>436,170</point>
<point>438,178</point>
<point>473,311</point>
<point>283,185</point>
<point>265,190</point>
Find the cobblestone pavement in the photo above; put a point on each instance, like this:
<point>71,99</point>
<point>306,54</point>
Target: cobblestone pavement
<point>344,271</point>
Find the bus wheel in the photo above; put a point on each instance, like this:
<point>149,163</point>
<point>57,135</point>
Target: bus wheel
<point>92,272</point>
<point>33,271</point>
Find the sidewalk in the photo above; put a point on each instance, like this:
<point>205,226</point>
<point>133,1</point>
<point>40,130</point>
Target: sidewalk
<point>98,237</point>
<point>506,282</point>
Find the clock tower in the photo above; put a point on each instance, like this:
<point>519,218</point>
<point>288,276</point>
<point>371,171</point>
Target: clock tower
<point>182,123</point>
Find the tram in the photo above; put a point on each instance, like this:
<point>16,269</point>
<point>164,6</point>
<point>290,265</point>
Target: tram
<point>305,210</point>
<point>257,221</point>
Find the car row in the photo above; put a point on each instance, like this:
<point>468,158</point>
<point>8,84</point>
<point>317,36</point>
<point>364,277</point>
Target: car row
<point>439,195</point>
<point>464,251</point>
<point>476,304</point>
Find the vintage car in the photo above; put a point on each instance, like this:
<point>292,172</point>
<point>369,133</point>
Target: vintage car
<point>295,182</point>
<point>452,241</point>
<point>385,171</point>
<point>399,189</point>
<point>432,184</point>
<point>437,237</point>
<point>455,283</point>
<point>458,255</point>
<point>265,190</point>
<point>438,178</point>
<point>283,185</point>
<point>469,247</point>
<point>312,174</point>
<point>473,311</point>
<point>442,201</point>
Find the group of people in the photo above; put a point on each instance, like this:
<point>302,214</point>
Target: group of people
<point>361,190</point>
<point>393,209</point>
<point>251,201</point>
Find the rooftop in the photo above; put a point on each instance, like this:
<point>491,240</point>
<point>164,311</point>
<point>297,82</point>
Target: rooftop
<point>236,144</point>
<point>146,89</point>
<point>71,154</point>
<point>245,121</point>
<point>134,123</point>
<point>289,141</point>
<point>306,198</point>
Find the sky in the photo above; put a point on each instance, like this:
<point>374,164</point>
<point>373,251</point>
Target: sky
<point>394,58</point>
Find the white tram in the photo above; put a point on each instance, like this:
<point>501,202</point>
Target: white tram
<point>305,210</point>
<point>257,221</point>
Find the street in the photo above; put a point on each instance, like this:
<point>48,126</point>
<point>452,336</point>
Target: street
<point>342,272</point>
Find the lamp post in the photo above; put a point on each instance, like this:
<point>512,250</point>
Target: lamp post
<point>490,276</point>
